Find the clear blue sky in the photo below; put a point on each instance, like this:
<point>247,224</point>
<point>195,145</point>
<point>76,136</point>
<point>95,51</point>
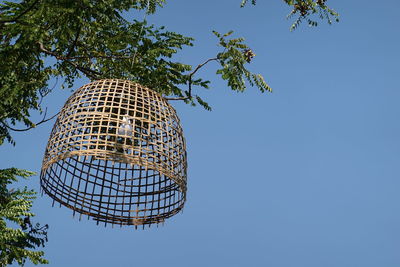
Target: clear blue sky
<point>308,176</point>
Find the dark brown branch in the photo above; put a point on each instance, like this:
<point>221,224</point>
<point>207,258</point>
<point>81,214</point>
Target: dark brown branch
<point>74,43</point>
<point>90,57</point>
<point>190,80</point>
<point>201,65</point>
<point>33,126</point>
<point>68,57</point>
<point>21,14</point>
<point>88,72</point>
<point>41,46</point>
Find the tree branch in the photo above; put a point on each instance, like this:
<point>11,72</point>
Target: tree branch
<point>22,13</point>
<point>33,126</point>
<point>90,57</point>
<point>190,80</point>
<point>68,57</point>
<point>74,43</point>
<point>88,72</point>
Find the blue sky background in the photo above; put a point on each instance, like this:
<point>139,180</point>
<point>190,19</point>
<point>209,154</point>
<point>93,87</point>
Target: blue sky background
<point>307,176</point>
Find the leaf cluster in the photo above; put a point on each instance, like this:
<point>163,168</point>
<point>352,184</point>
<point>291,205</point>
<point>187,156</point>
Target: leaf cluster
<point>305,10</point>
<point>233,62</point>
<point>18,245</point>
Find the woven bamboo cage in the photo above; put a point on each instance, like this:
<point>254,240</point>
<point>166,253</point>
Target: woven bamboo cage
<point>117,154</point>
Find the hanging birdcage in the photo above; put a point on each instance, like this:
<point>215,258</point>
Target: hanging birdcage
<point>117,154</point>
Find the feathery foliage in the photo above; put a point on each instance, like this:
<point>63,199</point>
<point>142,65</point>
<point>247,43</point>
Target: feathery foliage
<point>306,10</point>
<point>233,60</point>
<point>18,244</point>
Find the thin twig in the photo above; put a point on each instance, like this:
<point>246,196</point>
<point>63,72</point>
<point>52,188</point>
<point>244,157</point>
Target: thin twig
<point>41,46</point>
<point>33,126</point>
<point>91,57</point>
<point>20,15</point>
<point>190,80</point>
<point>42,95</point>
<point>86,71</point>
<point>74,43</point>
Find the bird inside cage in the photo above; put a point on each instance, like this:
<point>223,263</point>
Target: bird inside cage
<point>126,127</point>
<point>124,133</point>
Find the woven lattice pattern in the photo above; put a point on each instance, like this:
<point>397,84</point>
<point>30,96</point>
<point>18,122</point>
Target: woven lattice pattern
<point>117,153</point>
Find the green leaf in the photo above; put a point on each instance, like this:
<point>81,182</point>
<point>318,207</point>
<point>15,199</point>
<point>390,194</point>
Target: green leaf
<point>19,244</point>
